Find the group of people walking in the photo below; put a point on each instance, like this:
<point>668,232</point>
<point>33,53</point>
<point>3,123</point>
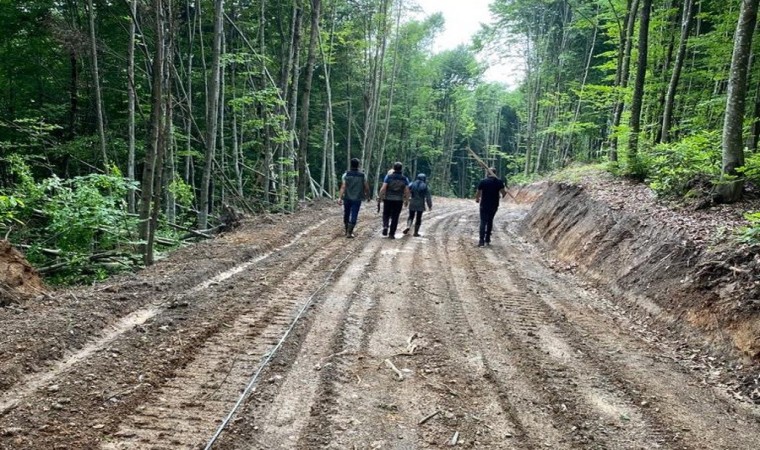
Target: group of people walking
<point>397,192</point>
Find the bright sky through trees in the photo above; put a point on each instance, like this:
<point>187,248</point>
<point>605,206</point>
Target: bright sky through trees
<point>462,21</point>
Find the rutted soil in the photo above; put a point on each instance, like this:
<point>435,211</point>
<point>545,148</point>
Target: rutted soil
<point>409,343</point>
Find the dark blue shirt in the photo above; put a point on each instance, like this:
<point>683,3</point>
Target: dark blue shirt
<point>489,197</point>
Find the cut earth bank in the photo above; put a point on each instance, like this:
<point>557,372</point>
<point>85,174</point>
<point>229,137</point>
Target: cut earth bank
<point>677,270</point>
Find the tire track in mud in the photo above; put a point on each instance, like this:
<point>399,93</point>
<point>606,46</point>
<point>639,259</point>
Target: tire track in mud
<point>492,357</point>
<point>467,397</point>
<point>346,385</point>
<point>32,383</point>
<point>590,412</point>
<point>187,409</point>
<point>661,395</point>
<point>328,367</point>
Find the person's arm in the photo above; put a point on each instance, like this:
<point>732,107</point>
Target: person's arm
<point>429,199</point>
<point>341,192</point>
<point>381,194</point>
<point>366,190</point>
<point>478,195</point>
<point>407,195</point>
<point>503,192</point>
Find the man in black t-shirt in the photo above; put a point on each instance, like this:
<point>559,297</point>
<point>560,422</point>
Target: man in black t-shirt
<point>490,190</point>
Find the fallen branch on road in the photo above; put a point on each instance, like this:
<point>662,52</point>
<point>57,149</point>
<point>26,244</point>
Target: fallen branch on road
<point>392,367</point>
<point>428,417</point>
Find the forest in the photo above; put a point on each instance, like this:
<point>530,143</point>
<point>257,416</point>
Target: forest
<point>127,126</point>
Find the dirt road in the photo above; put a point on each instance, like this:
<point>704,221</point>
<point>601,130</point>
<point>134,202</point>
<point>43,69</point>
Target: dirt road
<point>409,343</point>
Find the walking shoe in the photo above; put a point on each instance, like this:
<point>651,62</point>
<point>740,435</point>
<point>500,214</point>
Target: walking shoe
<point>385,231</point>
<point>406,231</point>
<point>481,244</point>
<point>390,236</point>
<point>350,230</point>
<point>416,235</point>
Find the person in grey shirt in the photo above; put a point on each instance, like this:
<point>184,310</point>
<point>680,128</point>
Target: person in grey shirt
<point>353,190</point>
<point>420,195</point>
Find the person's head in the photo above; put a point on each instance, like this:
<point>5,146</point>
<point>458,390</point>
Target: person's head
<point>492,172</point>
<point>354,163</point>
<point>397,166</point>
<point>421,177</point>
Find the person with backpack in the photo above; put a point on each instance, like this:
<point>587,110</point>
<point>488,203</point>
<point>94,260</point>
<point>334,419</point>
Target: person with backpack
<point>420,195</point>
<point>395,195</point>
<point>490,190</point>
<point>353,190</point>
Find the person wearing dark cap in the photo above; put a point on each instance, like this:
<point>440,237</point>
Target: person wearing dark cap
<point>490,190</point>
<point>353,190</point>
<point>395,195</point>
<point>420,195</point>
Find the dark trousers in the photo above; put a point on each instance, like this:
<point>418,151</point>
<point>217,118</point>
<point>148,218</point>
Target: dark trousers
<point>415,216</point>
<point>391,212</point>
<point>351,211</point>
<point>486,223</point>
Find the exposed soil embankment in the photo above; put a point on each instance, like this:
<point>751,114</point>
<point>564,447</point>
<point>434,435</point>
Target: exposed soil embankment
<point>657,266</point>
<point>18,279</point>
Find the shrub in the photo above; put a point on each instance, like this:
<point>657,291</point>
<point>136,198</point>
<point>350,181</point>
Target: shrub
<point>751,233</point>
<point>676,169</point>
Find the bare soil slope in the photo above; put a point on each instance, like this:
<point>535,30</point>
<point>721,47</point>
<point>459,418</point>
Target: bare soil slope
<point>409,343</point>
<point>18,279</point>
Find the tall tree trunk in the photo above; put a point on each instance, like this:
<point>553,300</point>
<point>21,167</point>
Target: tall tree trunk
<point>625,70</point>
<point>212,111</point>
<point>755,130</point>
<point>667,115</point>
<point>328,145</point>
<point>131,96</point>
<point>294,84</point>
<point>638,88</point>
<point>73,93</point>
<point>303,177</point>
<point>268,151</point>
<point>150,169</point>
<point>733,150</point>
<point>96,81</point>
<point>389,107</point>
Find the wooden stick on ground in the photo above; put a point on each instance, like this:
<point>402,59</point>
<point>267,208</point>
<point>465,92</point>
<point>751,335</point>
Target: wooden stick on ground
<point>428,417</point>
<point>393,368</point>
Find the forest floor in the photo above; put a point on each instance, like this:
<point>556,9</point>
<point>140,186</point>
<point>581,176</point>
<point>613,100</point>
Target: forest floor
<point>418,342</point>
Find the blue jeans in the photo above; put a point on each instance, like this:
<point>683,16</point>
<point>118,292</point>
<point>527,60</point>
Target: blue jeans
<point>351,210</point>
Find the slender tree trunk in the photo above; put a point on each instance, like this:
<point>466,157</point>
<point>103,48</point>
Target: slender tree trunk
<point>96,82</point>
<point>328,140</point>
<point>73,93</point>
<point>150,168</point>
<point>303,177</point>
<point>638,88</point>
<point>576,115</point>
<point>625,69</point>
<point>294,84</point>
<point>733,150</point>
<point>212,110</point>
<point>131,95</point>
<point>389,107</point>
<point>222,101</point>
<point>268,151</point>
<point>755,134</point>
<point>667,116</point>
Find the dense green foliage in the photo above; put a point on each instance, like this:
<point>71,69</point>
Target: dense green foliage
<point>261,103</point>
<point>574,54</point>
